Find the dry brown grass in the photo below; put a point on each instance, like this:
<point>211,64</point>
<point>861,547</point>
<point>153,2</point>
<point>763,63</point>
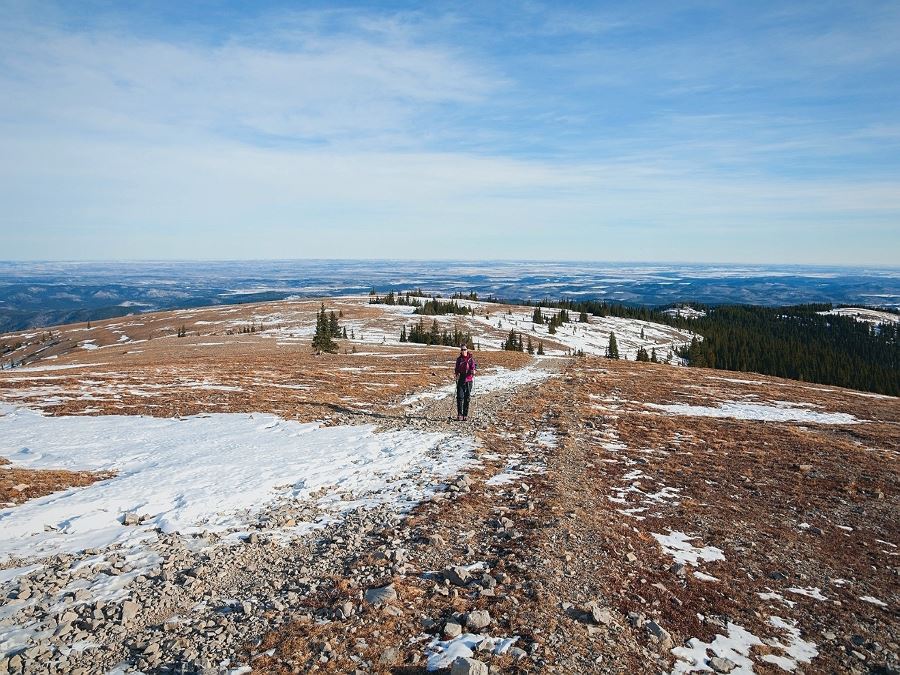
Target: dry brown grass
<point>19,485</point>
<point>256,372</point>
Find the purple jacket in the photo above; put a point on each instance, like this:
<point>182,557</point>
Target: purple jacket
<point>465,366</point>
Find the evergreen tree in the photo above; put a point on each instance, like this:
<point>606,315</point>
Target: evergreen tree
<point>434,336</point>
<point>642,332</point>
<point>642,355</point>
<point>583,317</point>
<point>653,358</point>
<point>403,334</point>
<point>536,316</point>
<point>334,328</point>
<point>322,339</point>
<point>530,347</point>
<point>612,351</point>
<point>510,344</point>
<point>540,349</point>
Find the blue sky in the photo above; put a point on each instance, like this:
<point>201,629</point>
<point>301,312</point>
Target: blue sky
<point>671,131</point>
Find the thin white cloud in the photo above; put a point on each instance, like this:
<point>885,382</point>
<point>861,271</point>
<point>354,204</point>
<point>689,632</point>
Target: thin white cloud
<point>322,88</point>
<point>366,134</point>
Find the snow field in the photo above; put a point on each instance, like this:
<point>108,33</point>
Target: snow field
<point>189,475</point>
<point>591,337</point>
<point>861,314</point>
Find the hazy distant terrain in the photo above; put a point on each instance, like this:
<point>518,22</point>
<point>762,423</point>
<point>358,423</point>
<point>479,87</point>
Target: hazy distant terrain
<point>47,293</point>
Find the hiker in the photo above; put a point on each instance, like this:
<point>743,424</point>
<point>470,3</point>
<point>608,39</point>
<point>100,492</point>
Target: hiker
<point>465,373</point>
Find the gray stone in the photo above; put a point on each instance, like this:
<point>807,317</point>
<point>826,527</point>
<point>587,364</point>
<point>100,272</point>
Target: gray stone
<point>452,629</point>
<point>381,596</point>
<point>478,619</point>
<point>722,665</point>
<point>458,576</point>
<point>129,610</point>
<point>464,666</point>
<point>660,633</point>
<point>601,615</point>
<point>517,653</point>
<point>389,656</point>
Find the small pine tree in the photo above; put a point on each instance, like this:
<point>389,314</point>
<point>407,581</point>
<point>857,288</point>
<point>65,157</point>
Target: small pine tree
<point>653,358</point>
<point>333,327</point>
<point>322,341</point>
<point>510,344</point>
<point>642,355</point>
<point>434,335</point>
<point>642,332</point>
<point>344,334</point>
<point>403,334</point>
<point>530,347</point>
<point>540,349</point>
<point>612,351</point>
<point>583,317</point>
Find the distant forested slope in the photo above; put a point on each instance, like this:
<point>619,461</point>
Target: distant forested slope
<point>796,342</point>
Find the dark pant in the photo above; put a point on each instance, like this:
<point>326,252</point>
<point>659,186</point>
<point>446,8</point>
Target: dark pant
<point>463,394</point>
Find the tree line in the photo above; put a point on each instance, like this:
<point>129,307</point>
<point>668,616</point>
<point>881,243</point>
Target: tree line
<point>796,341</point>
<point>435,336</point>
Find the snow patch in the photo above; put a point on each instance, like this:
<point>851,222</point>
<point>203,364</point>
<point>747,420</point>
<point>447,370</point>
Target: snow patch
<point>811,592</point>
<point>677,544</point>
<point>735,647</point>
<point>872,600</point>
<point>442,653</point>
<point>780,412</point>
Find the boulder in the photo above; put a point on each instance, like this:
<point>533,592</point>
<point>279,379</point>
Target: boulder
<point>722,665</point>
<point>464,666</point>
<point>381,596</point>
<point>477,619</point>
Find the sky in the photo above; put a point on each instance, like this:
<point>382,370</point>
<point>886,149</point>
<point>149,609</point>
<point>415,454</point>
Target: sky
<point>694,131</point>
